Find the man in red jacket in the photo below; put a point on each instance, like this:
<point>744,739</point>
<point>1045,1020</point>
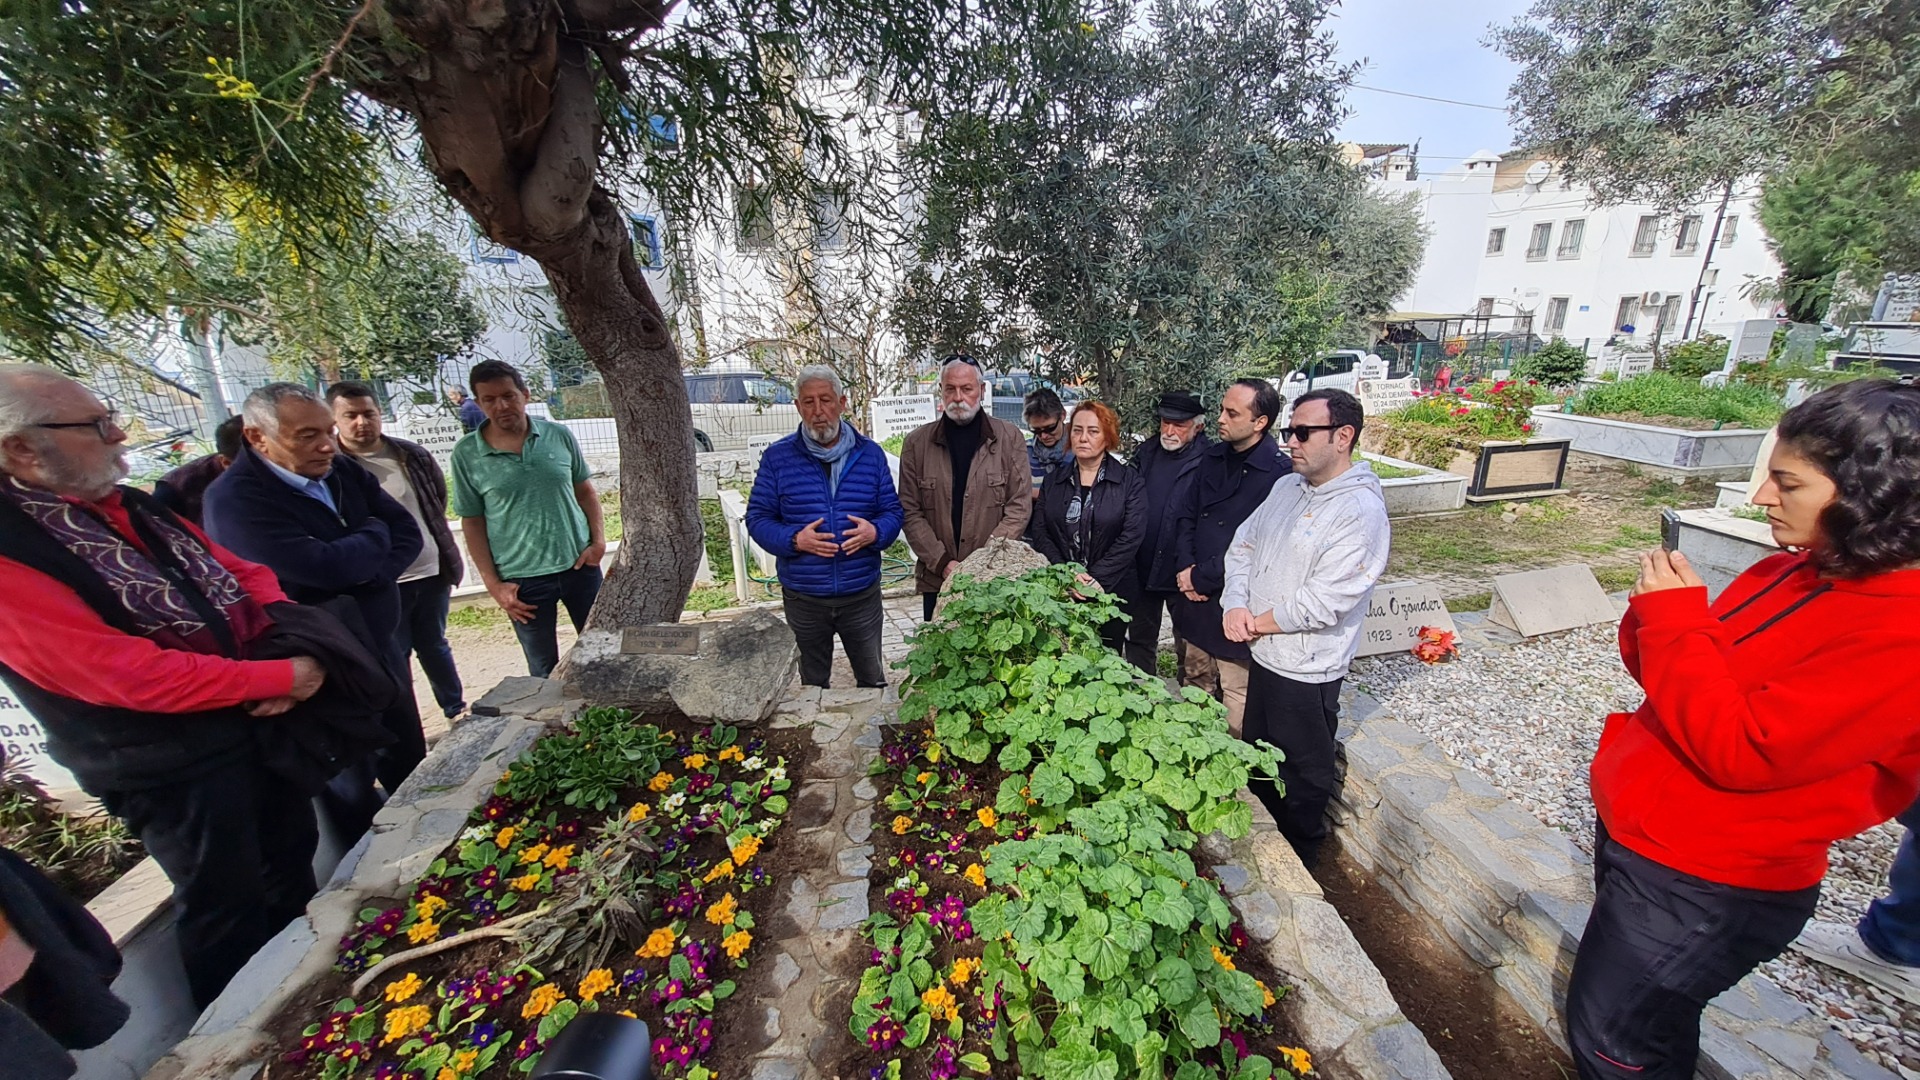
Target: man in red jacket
<point>126,636</point>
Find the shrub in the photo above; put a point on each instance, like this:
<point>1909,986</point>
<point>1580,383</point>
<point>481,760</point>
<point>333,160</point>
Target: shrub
<point>1558,363</point>
<point>1664,394</point>
<point>1692,359</point>
<point>1429,431</point>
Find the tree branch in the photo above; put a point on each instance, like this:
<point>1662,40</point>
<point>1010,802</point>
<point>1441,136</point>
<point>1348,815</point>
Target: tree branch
<point>554,196</point>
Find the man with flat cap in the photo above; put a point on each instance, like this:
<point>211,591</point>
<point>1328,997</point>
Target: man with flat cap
<point>1161,462</point>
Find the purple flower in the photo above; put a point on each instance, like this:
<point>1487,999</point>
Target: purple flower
<point>896,755</point>
<point>483,1035</point>
<point>668,1052</point>
<point>884,1034</point>
<point>905,902</point>
<point>698,783</point>
<point>683,903</point>
<point>487,878</point>
<point>1239,1043</point>
<point>569,830</point>
<point>945,1066</point>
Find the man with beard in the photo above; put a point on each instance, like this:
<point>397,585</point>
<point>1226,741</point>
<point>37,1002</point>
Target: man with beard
<point>964,479</point>
<point>1162,462</point>
<point>527,507</point>
<point>126,634</point>
<point>823,503</point>
<point>1227,485</point>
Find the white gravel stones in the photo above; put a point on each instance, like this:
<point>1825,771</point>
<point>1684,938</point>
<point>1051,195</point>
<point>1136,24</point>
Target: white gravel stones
<point>1528,717</point>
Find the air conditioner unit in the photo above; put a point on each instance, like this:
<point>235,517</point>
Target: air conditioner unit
<point>1652,299</point>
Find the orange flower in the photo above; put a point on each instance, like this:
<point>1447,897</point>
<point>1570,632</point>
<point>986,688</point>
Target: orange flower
<point>747,848</point>
<point>1222,959</point>
<point>639,813</point>
<point>659,943</point>
<point>429,906</point>
<point>558,858</point>
<point>503,838</point>
<point>1266,996</point>
<point>736,943</point>
<point>533,854</point>
<point>661,781</point>
<point>724,868</point>
<point>401,989</point>
<point>901,824</point>
<point>1297,1059</point>
<point>722,912</point>
<point>963,970</point>
<point>597,982</point>
<point>732,753</point>
<point>988,819</point>
<point>423,931</point>
<point>940,1003</point>
<point>541,1001</point>
<point>404,1022</point>
<point>976,874</point>
<point>694,761</point>
<point>525,882</point>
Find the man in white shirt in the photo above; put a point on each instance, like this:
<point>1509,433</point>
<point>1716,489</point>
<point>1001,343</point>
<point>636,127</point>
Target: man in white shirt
<point>1299,575</point>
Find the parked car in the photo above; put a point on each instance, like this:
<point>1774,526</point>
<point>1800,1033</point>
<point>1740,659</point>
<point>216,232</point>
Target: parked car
<point>1337,370</point>
<point>1010,390</point>
<point>730,408</point>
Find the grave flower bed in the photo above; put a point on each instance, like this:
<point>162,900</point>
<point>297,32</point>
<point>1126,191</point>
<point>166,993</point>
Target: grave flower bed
<point>1038,911</point>
<point>1485,432</point>
<point>617,866</point>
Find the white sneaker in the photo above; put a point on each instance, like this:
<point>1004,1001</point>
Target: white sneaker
<point>1840,947</point>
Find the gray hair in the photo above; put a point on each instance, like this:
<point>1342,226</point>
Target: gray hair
<point>22,407</point>
<point>262,407</point>
<point>815,373</point>
<point>968,364</point>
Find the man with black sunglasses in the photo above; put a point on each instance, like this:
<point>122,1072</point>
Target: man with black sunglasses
<point>1299,574</point>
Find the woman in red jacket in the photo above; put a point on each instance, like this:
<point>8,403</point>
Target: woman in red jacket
<point>1777,720</point>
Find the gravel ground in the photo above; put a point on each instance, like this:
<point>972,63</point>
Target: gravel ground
<point>1528,719</point>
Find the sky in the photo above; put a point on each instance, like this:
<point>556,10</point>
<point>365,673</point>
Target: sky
<point>1430,47</point>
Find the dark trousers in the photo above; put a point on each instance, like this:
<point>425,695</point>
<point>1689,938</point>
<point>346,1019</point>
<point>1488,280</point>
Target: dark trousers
<point>423,633</point>
<point>539,642</point>
<point>1300,718</point>
<point>1142,646</point>
<point>927,602</point>
<point>1658,946</point>
<point>858,620</point>
<point>238,846</point>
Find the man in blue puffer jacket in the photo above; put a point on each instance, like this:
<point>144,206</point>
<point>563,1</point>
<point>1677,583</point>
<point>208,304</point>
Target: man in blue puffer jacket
<point>823,503</point>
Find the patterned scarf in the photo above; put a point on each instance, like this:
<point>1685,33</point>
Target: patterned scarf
<point>160,609</point>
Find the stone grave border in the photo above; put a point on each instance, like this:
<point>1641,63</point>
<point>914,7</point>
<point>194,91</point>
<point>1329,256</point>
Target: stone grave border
<point>1513,893</point>
<point>1685,453</point>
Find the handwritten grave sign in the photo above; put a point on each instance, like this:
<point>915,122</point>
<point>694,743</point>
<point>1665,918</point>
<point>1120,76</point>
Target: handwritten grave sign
<point>1381,396</point>
<point>1396,613</point>
<point>24,742</point>
<point>1547,601</point>
<point>666,639</point>
<point>890,416</point>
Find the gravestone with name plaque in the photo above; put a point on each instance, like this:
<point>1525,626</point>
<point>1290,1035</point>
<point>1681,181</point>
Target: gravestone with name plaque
<point>23,742</point>
<point>663,639</point>
<point>1397,612</point>
<point>890,416</point>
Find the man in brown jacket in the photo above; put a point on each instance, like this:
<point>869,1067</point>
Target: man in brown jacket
<point>963,480</point>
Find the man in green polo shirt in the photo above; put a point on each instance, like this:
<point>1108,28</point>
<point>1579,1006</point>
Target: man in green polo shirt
<point>529,514</point>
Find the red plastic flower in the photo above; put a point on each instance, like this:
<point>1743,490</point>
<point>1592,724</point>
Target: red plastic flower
<point>1435,645</point>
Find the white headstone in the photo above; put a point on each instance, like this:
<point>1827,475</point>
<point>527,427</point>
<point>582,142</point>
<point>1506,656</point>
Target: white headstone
<point>1381,396</point>
<point>1547,601</point>
<point>890,416</point>
<point>1397,612</point>
<point>1752,341</point>
<point>25,743</point>
<point>436,435</point>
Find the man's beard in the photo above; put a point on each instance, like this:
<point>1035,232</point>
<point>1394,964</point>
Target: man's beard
<point>823,436</point>
<point>66,478</point>
<point>1173,444</point>
<point>961,413</point>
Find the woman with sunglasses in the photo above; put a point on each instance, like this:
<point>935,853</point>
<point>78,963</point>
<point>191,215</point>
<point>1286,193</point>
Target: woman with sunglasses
<point>1092,511</point>
<point>1778,719</point>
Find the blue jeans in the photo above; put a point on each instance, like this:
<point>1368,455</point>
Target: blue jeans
<point>538,641</point>
<point>1891,926</point>
<point>423,632</point>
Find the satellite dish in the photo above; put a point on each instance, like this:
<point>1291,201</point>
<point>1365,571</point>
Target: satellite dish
<point>1531,296</point>
<point>1538,172</point>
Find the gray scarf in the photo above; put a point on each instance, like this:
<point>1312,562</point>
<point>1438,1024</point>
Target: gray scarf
<point>834,457</point>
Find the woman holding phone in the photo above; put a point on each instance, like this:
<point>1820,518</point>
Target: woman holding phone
<point>1778,719</point>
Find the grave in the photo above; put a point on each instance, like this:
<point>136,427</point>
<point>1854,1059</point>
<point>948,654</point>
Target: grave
<point>1548,601</point>
<point>890,416</point>
<point>1396,614</point>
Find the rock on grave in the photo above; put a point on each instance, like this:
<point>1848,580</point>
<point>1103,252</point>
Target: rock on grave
<point>743,668</point>
<point>1001,558</point>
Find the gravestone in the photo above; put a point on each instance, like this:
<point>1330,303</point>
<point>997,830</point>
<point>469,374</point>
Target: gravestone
<point>890,416</point>
<point>1802,348</point>
<point>436,433</point>
<point>1397,612</point>
<point>666,639</point>
<point>23,742</point>
<point>1759,474</point>
<point>1381,396</point>
<point>1751,342</point>
<point>1548,601</point>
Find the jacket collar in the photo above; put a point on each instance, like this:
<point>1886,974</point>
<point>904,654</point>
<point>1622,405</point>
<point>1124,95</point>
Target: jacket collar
<point>1265,455</point>
<point>986,421</point>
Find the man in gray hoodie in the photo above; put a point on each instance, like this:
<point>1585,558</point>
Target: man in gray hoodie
<point>1299,574</point>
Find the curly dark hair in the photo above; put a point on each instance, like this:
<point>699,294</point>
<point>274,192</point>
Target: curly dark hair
<point>1865,436</point>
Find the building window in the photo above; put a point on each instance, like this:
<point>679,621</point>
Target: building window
<point>1556,316</point>
<point>1669,314</point>
<point>486,251</point>
<point>1537,244</point>
<point>1624,315</point>
<point>646,240</point>
<point>1571,234</point>
<point>1483,309</point>
<point>829,220</point>
<point>1496,241</point>
<point>1646,235</point>
<point>1688,241</point>
<point>755,209</point>
<point>1729,229</point>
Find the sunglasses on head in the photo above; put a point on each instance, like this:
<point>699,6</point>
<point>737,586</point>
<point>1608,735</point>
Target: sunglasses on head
<point>1303,432</point>
<point>960,358</point>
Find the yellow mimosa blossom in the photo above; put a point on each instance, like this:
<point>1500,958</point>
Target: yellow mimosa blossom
<point>404,1022</point>
<point>503,838</point>
<point>401,989</point>
<point>659,943</point>
<point>940,1002</point>
<point>597,982</point>
<point>423,931</point>
<point>736,943</point>
<point>988,819</point>
<point>639,813</point>
<point>533,854</point>
<point>747,848</point>
<point>661,781</point>
<point>724,868</point>
<point>541,1001</point>
<point>976,874</point>
<point>694,761</point>
<point>722,912</point>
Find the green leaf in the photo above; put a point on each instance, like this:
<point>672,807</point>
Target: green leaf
<point>1173,979</point>
<point>1080,1063</point>
<point>1104,957</point>
<point>918,1028</point>
<point>975,1062</point>
<point>1015,757</point>
<point>775,805</point>
<point>1168,910</point>
<point>1200,1024</point>
<point>1050,786</point>
<point>1131,764</point>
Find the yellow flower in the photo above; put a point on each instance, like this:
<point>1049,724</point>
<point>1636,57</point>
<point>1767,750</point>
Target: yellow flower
<point>404,1022</point>
<point>429,906</point>
<point>924,778</point>
<point>940,1002</point>
<point>963,970</point>
<point>901,824</point>
<point>988,819</point>
<point>446,1073</point>
<point>724,868</point>
<point>721,913</point>
<point>401,989</point>
<point>558,858</point>
<point>639,813</point>
<point>463,1061</point>
<point>747,848</point>
<point>503,838</point>
<point>423,931</point>
<point>732,753</point>
<point>533,854</point>
<point>1222,959</point>
<point>736,943</point>
<point>694,761</point>
<point>541,1001</point>
<point>1266,996</point>
<point>1297,1059</point>
<point>976,874</point>
<point>661,781</point>
<point>525,882</point>
<point>659,943</point>
<point>597,982</point>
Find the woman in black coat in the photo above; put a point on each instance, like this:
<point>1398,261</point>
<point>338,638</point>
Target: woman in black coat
<point>1092,511</point>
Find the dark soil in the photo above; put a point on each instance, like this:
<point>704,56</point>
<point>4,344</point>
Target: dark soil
<point>1478,1031</point>
<point>737,1027</point>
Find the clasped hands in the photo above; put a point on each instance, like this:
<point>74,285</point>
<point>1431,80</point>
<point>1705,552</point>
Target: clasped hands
<point>813,540</point>
<point>1239,624</point>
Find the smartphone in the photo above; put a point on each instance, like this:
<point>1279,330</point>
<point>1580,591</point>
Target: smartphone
<point>1670,530</point>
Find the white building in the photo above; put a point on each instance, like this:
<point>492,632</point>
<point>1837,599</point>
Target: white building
<point>1509,238</point>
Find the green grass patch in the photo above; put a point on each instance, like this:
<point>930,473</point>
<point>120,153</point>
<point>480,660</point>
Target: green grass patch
<point>1479,601</point>
<point>1615,578</point>
<point>1660,394</point>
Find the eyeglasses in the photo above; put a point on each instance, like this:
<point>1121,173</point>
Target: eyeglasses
<point>1303,432</point>
<point>104,426</point>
